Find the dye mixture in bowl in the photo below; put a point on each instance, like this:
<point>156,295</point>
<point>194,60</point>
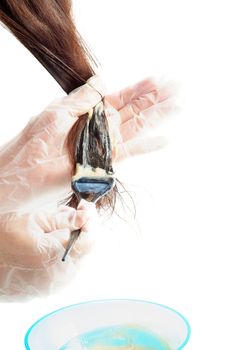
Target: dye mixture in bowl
<point>127,337</point>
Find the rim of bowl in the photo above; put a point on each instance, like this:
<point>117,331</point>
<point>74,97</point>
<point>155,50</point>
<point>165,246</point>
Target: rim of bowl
<point>26,339</point>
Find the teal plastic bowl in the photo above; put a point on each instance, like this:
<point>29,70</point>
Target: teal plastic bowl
<point>110,324</point>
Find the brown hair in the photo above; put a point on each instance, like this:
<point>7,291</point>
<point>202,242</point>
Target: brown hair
<point>46,28</point>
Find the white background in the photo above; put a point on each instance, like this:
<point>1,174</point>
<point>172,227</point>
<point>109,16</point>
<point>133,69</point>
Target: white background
<point>181,256</point>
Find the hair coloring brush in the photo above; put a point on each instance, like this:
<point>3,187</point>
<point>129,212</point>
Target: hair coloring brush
<point>91,181</point>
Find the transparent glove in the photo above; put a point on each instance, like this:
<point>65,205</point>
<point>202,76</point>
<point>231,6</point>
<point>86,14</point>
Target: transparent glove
<point>31,248</point>
<point>135,111</point>
<point>35,163</point>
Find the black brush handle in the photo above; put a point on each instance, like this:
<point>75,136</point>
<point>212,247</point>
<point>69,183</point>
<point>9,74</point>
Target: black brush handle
<point>74,235</point>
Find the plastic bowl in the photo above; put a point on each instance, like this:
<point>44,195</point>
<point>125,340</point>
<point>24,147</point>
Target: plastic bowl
<point>56,329</point>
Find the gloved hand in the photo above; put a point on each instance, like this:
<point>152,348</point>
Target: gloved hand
<point>36,162</point>
<point>135,111</point>
<point>31,248</point>
<point>32,244</point>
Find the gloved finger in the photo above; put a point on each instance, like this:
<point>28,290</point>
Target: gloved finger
<point>50,120</point>
<point>84,242</point>
<point>114,121</point>
<point>147,100</point>
<point>62,235</point>
<point>83,205</point>
<point>82,99</point>
<point>70,219</point>
<point>88,235</point>
<point>52,246</point>
<point>139,146</point>
<point>146,120</point>
<point>120,99</point>
<point>92,212</point>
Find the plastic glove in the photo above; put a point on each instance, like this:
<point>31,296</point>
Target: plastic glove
<point>31,248</point>
<point>36,162</point>
<point>135,111</point>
